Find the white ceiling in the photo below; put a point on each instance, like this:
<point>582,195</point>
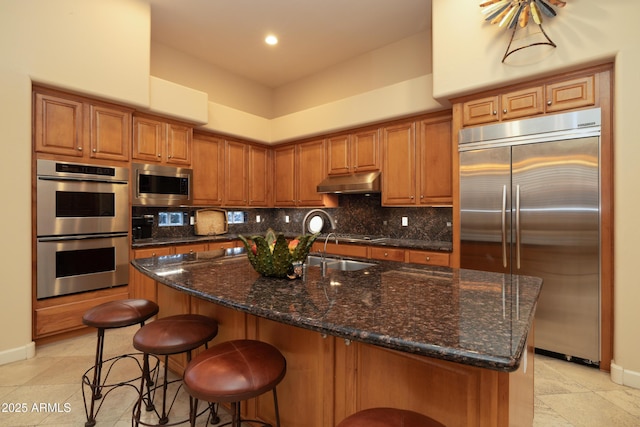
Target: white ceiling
<point>314,34</point>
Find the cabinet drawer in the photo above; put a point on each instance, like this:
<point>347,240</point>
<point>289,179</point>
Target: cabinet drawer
<point>430,258</point>
<point>67,317</point>
<point>387,254</point>
<point>341,249</point>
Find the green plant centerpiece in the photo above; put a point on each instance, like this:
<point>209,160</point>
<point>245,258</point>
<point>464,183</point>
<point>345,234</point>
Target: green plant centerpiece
<point>273,256</point>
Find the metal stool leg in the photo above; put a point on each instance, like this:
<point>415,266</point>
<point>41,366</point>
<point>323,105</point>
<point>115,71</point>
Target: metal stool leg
<point>96,390</point>
<point>275,404</point>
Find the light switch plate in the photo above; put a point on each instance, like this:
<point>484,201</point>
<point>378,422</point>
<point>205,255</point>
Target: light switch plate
<point>257,218</point>
<point>286,218</point>
<point>405,221</point>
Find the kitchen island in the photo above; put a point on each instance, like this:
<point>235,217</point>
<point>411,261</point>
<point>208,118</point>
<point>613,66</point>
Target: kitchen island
<point>453,344</point>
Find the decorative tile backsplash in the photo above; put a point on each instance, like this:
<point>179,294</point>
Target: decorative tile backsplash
<point>357,214</point>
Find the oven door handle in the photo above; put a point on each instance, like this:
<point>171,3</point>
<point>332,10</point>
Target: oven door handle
<point>103,181</point>
<point>82,237</point>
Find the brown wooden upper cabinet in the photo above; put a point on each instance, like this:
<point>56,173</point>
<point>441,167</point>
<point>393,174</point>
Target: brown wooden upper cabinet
<point>160,141</point>
<point>528,102</point>
<point>297,171</point>
<point>245,174</point>
<point>66,125</point>
<point>208,170</point>
<point>354,152</point>
<point>417,168</point>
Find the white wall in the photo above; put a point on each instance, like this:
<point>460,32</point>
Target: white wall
<point>585,31</point>
<point>70,44</point>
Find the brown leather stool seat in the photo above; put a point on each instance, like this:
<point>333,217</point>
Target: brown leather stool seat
<point>388,417</point>
<point>111,315</point>
<point>232,372</point>
<point>166,336</point>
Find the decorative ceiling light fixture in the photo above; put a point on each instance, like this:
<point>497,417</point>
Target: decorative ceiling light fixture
<point>517,13</point>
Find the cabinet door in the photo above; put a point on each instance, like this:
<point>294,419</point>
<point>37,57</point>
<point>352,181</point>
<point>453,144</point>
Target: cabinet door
<point>522,103</point>
<point>148,139</point>
<point>258,172</point>
<point>434,164</point>
<point>480,111</point>
<point>309,380</point>
<point>235,173</point>
<point>399,177</point>
<point>110,134</point>
<point>58,125</point>
<point>284,172</point>
<point>208,170</point>
<point>310,170</point>
<point>339,155</point>
<point>365,151</point>
<point>142,285</point>
<point>570,94</point>
<point>179,139</point>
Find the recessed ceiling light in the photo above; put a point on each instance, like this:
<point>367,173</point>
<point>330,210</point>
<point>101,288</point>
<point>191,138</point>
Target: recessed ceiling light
<point>271,39</point>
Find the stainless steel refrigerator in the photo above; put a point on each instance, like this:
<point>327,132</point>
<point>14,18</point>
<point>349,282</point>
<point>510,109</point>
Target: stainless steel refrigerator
<point>530,204</point>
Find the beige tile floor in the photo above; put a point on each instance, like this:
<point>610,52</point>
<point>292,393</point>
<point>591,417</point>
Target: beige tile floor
<point>48,387</point>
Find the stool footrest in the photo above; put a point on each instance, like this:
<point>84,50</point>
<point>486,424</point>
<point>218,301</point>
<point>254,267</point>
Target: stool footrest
<point>92,392</point>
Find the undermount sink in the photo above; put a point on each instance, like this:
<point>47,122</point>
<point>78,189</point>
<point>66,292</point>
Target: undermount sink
<point>338,263</point>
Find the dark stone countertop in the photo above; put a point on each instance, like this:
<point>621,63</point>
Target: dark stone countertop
<point>470,317</point>
<point>345,239</point>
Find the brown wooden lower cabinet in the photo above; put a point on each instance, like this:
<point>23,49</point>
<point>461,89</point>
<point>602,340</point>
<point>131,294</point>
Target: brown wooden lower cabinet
<point>64,314</point>
<point>329,378</point>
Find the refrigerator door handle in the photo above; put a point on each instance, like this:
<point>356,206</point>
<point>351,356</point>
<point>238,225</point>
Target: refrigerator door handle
<point>504,226</point>
<point>518,237</point>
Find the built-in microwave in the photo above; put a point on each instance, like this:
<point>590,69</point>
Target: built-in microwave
<point>156,185</point>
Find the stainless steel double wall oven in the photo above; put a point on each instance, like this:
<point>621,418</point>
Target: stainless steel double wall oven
<point>82,227</point>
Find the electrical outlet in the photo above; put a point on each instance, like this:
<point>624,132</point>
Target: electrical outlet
<point>257,218</point>
<point>192,220</point>
<point>286,219</point>
<point>405,221</point>
<point>448,223</point>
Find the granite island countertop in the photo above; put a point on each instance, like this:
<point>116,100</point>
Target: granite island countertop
<point>471,317</point>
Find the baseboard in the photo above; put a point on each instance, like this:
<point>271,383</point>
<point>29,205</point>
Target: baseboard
<point>19,353</point>
<point>622,376</point>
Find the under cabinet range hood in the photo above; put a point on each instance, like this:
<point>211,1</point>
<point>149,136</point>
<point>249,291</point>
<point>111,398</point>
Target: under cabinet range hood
<point>355,183</point>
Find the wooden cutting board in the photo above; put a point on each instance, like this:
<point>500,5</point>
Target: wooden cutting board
<point>210,222</point>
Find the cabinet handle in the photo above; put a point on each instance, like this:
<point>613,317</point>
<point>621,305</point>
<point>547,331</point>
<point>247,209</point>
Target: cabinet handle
<point>422,196</point>
<point>95,150</point>
<point>159,155</point>
<point>428,258</point>
<point>495,112</point>
<point>79,148</point>
<point>504,111</point>
<point>412,197</point>
<point>549,102</point>
<point>169,156</point>
<point>347,341</point>
<point>386,254</point>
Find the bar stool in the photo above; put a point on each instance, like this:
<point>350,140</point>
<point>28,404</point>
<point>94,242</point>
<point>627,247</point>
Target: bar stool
<point>232,372</point>
<point>388,417</point>
<point>111,315</point>
<point>167,336</point>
